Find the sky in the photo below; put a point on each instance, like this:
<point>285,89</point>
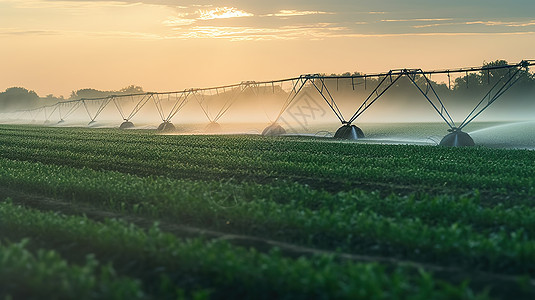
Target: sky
<point>55,47</point>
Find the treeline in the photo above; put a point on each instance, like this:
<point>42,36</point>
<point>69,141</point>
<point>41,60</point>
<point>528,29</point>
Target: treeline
<point>19,98</point>
<point>457,90</point>
<point>469,85</point>
<point>92,93</point>
<point>15,98</point>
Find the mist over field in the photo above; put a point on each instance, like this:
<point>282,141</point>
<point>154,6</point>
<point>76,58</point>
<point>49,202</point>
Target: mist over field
<point>283,149</point>
<point>249,109</point>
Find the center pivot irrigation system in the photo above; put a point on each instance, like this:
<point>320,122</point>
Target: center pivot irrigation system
<point>384,81</point>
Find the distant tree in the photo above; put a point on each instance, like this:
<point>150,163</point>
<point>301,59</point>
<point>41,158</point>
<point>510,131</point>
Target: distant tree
<point>525,83</point>
<point>88,93</point>
<point>132,89</point>
<point>478,84</point>
<point>51,99</point>
<point>18,98</point>
<point>93,93</point>
<point>491,76</point>
<point>472,80</point>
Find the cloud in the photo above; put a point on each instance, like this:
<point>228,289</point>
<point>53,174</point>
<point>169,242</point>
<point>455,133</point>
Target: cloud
<point>222,13</point>
<point>189,18</point>
<point>501,23</point>
<point>25,32</point>
<point>181,19</point>
<point>318,31</point>
<point>417,20</point>
<point>243,21</point>
<point>108,34</point>
<point>517,24</point>
<point>436,25</point>
<point>237,33</point>
<point>293,13</point>
<point>177,22</point>
<point>485,23</point>
<point>121,34</point>
<point>64,4</point>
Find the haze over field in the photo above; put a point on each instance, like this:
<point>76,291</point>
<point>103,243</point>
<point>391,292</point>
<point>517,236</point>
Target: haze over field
<point>69,49</point>
<point>55,47</point>
<point>280,149</point>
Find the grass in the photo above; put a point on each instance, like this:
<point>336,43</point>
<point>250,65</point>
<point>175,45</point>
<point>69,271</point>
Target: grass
<point>457,223</point>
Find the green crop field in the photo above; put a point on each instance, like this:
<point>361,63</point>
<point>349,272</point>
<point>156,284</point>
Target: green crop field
<point>111,214</point>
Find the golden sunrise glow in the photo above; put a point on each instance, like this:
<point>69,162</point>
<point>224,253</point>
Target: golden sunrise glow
<point>54,47</point>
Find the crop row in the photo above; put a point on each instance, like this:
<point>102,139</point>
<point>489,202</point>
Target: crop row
<point>321,164</point>
<point>159,259</point>
<point>46,275</point>
<point>483,238</point>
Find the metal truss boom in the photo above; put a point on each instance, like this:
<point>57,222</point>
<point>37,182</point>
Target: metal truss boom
<point>50,112</point>
<point>492,97</point>
<point>377,92</point>
<point>297,86</point>
<point>318,81</point>
<point>502,85</point>
<point>72,106</point>
<point>439,107</point>
<point>326,95</point>
<point>103,102</point>
<point>232,92</point>
<point>180,100</point>
<point>139,105</point>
